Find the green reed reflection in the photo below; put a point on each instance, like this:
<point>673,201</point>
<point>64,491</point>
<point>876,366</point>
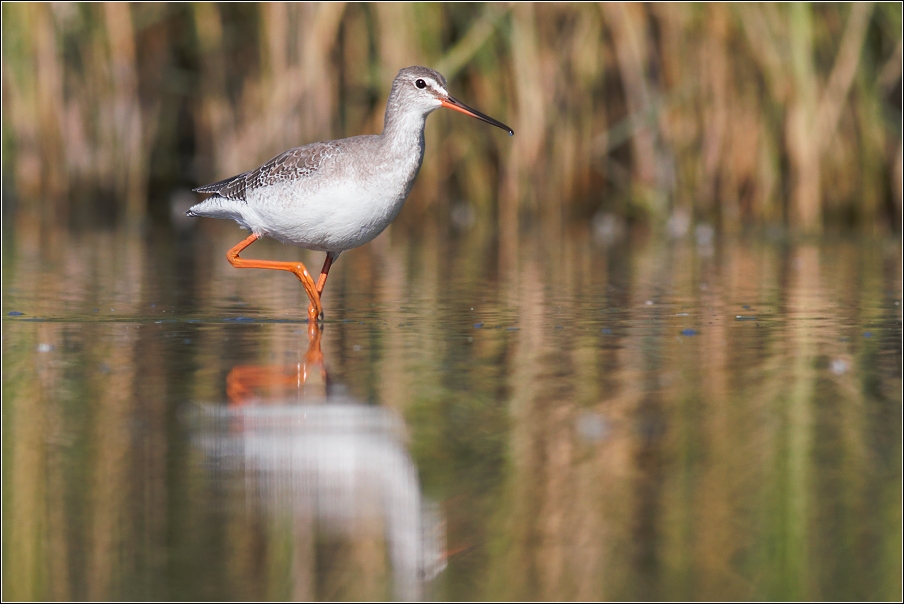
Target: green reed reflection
<point>655,419</point>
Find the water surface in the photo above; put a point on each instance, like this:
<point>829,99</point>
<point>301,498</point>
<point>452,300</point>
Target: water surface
<point>581,419</point>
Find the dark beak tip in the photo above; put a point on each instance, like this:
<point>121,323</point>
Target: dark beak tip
<point>453,103</point>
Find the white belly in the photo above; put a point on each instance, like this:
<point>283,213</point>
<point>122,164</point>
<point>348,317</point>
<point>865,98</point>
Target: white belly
<point>327,218</point>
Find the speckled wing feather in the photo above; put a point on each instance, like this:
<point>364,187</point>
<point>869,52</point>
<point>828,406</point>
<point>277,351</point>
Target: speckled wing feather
<point>295,164</point>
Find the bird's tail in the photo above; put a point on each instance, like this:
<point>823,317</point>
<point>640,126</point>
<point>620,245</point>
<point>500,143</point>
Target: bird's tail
<point>218,207</point>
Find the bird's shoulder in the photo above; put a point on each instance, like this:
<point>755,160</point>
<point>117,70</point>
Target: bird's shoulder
<point>295,164</point>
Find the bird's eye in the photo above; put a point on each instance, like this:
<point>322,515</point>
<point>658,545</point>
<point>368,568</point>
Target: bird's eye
<point>421,84</point>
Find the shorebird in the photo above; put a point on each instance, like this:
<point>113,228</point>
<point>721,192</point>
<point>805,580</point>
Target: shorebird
<point>336,195</point>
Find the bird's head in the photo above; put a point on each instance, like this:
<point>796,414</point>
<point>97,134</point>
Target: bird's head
<point>424,89</point>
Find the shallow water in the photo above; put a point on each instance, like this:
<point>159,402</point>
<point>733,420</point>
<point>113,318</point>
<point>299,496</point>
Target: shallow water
<point>581,419</point>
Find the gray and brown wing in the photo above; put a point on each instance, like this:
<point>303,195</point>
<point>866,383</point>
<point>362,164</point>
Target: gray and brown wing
<point>295,164</point>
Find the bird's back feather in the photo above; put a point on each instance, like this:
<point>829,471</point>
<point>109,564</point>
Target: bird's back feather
<point>293,165</point>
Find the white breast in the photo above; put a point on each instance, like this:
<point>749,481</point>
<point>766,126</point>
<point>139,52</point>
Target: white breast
<point>327,216</point>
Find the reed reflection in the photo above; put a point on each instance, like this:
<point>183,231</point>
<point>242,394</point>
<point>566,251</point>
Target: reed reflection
<point>624,432</point>
<point>333,477</point>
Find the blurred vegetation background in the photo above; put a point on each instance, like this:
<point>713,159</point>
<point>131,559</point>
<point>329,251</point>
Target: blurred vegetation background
<point>751,116</point>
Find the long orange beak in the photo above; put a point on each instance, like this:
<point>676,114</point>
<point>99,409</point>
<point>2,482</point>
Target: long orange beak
<point>457,105</point>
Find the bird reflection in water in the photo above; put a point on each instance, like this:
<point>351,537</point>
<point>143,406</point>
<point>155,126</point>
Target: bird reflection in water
<point>334,470</point>
<point>306,380</point>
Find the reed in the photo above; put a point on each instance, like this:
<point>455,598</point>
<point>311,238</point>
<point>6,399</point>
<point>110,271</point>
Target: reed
<point>736,116</point>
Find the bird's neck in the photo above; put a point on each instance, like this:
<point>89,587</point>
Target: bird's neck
<point>402,144</point>
<point>403,131</point>
<point>400,123</point>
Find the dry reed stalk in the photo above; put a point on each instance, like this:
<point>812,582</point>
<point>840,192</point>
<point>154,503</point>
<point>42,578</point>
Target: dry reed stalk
<point>126,115</point>
<point>82,101</point>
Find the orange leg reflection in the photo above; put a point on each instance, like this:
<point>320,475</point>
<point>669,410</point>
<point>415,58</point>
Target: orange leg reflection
<point>245,382</point>
<point>315,310</point>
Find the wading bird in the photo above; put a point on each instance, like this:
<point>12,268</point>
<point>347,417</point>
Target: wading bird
<point>336,195</point>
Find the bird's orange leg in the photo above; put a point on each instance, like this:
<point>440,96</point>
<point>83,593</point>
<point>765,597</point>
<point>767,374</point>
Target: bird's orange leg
<point>315,310</point>
<point>323,273</point>
<point>321,281</point>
